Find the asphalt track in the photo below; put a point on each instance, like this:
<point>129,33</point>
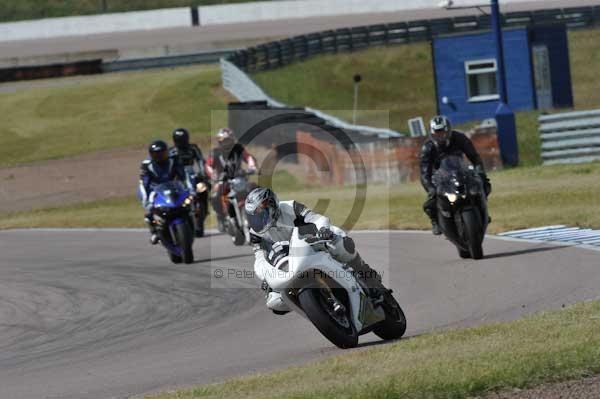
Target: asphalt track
<point>193,39</point>
<point>101,314</point>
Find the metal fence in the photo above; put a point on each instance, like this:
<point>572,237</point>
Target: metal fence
<point>572,137</point>
<point>279,53</point>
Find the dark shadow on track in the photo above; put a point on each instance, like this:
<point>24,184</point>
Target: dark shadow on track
<point>222,258</point>
<point>386,342</point>
<point>525,251</point>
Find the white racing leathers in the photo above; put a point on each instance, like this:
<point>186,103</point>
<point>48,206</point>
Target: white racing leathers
<point>273,243</point>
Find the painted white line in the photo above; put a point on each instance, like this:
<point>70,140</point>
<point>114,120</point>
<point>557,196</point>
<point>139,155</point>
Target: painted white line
<point>560,226</point>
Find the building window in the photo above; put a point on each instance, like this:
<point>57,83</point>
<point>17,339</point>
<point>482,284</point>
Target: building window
<point>481,80</point>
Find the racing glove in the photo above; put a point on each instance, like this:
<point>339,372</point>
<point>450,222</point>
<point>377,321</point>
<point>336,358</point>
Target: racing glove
<point>325,233</point>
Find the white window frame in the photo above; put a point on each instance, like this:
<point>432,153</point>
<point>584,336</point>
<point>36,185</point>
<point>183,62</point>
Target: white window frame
<point>469,72</point>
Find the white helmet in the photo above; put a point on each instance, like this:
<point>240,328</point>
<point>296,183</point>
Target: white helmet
<point>440,130</point>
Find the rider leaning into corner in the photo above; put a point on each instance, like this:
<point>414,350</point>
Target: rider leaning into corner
<point>272,221</point>
<point>444,141</point>
<point>155,170</point>
<point>226,158</point>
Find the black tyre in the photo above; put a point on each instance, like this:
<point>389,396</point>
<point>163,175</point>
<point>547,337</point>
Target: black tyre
<point>464,254</point>
<point>337,329</point>
<point>175,258</point>
<point>183,237</point>
<point>394,325</point>
<point>473,233</point>
<point>239,238</point>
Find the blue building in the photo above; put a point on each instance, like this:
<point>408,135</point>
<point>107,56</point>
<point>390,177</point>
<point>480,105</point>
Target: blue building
<point>537,69</point>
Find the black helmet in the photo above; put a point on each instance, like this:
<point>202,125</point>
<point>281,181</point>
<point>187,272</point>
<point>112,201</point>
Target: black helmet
<point>262,208</point>
<point>159,151</point>
<point>181,138</point>
<point>440,130</point>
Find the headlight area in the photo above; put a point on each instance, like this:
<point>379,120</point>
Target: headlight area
<point>188,201</point>
<point>454,197</point>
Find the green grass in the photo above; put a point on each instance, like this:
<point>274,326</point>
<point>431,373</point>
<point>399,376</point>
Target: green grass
<point>106,112</point>
<point>14,10</point>
<point>400,79</point>
<point>522,198</point>
<point>457,364</point>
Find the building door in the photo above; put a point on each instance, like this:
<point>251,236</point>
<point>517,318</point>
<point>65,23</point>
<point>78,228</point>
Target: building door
<point>543,77</point>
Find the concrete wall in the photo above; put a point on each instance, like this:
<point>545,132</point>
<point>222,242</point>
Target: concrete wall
<point>291,9</point>
<point>95,24</point>
<point>209,15</point>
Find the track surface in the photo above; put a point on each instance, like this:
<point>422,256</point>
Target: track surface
<point>100,314</point>
<point>228,36</point>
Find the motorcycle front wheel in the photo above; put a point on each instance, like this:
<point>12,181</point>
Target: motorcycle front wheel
<point>473,233</point>
<point>336,328</point>
<point>183,237</point>
<point>394,325</point>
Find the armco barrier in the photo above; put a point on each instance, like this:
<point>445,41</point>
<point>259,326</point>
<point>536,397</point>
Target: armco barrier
<point>572,137</point>
<point>208,57</point>
<point>282,52</point>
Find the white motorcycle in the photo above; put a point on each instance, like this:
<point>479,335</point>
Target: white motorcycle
<point>326,292</point>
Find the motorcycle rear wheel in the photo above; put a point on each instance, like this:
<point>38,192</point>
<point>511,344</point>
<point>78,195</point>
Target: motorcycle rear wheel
<point>313,303</point>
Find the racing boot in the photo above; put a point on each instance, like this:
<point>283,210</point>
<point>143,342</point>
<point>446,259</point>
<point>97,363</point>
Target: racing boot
<point>152,227</point>
<point>435,228</point>
<point>274,301</point>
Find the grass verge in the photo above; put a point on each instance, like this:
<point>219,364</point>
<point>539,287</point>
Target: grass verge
<point>522,197</point>
<point>108,111</point>
<point>546,347</point>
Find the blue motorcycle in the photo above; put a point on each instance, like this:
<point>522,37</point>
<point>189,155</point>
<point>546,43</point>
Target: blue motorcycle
<point>172,215</point>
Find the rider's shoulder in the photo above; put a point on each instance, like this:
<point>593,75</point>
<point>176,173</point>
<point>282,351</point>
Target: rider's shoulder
<point>458,135</point>
<point>146,163</point>
<point>427,146</point>
<point>286,205</point>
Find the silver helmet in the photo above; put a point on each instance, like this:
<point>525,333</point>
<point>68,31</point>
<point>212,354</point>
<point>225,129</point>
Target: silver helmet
<point>262,209</point>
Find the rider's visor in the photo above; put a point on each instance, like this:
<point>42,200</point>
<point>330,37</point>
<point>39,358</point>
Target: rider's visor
<point>260,220</point>
<point>439,135</point>
<point>161,156</point>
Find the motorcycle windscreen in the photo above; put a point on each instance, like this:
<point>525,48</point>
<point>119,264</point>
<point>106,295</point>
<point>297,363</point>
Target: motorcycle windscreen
<point>451,175</point>
<point>170,194</point>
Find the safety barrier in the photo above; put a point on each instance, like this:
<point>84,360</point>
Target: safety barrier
<point>282,52</point>
<point>572,137</point>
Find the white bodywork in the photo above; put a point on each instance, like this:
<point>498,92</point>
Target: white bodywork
<point>304,262</point>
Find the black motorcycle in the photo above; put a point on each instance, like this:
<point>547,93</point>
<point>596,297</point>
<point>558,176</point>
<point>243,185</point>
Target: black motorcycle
<point>462,206</point>
<point>199,208</point>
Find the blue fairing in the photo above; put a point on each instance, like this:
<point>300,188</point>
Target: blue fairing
<point>170,195</point>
